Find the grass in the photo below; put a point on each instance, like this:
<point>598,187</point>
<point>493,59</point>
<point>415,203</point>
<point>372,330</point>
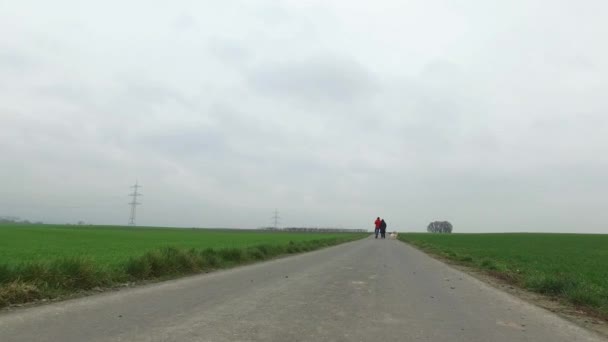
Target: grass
<point>38,262</point>
<point>113,245</point>
<point>570,267</point>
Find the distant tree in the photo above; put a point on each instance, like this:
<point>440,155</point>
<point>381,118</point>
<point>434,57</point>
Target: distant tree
<point>444,227</point>
<point>9,219</point>
<point>16,220</point>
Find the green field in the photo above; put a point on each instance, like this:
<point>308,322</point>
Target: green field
<point>38,262</point>
<point>115,245</point>
<point>572,267</point>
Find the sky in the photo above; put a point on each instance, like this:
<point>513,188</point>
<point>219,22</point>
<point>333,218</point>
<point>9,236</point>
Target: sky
<point>492,115</point>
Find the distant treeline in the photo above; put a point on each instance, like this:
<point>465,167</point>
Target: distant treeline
<point>316,230</point>
<point>13,219</point>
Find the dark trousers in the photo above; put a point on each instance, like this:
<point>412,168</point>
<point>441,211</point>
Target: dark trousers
<point>383,233</point>
<point>377,231</point>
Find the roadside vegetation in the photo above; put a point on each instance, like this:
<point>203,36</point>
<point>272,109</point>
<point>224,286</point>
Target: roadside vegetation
<point>568,267</point>
<point>46,262</point>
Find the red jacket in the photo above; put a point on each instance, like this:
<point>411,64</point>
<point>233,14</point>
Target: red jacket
<point>377,222</point>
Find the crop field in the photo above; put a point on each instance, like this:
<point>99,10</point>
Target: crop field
<point>38,262</point>
<point>571,267</point>
<point>114,245</point>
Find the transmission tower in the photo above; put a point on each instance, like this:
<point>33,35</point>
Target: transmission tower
<point>134,203</point>
<point>276,218</point>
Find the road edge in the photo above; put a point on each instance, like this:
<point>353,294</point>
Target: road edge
<point>163,279</point>
<point>564,310</point>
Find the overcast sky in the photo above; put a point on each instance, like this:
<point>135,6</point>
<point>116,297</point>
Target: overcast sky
<point>490,114</point>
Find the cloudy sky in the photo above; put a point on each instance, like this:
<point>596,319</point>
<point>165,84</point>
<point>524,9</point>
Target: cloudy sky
<point>490,114</point>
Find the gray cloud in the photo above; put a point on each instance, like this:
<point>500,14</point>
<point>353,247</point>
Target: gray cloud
<point>15,62</point>
<point>315,79</point>
<point>333,112</point>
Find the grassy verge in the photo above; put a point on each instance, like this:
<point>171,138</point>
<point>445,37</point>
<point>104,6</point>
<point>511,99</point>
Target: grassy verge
<point>569,267</point>
<point>36,280</point>
<point>114,245</point>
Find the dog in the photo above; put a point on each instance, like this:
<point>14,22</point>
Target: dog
<point>393,235</point>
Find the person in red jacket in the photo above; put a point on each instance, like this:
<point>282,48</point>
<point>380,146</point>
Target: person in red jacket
<point>377,223</point>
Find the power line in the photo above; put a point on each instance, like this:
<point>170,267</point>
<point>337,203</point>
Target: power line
<point>134,203</point>
<point>276,218</point>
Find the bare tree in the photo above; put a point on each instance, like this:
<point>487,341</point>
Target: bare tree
<point>444,227</point>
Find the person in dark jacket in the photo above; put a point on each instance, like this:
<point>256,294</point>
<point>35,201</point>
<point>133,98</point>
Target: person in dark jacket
<point>383,229</point>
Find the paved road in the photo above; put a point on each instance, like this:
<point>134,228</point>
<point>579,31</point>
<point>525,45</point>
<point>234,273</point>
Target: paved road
<point>368,290</point>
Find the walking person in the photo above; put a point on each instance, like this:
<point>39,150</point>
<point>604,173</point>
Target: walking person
<point>383,228</point>
<point>377,229</point>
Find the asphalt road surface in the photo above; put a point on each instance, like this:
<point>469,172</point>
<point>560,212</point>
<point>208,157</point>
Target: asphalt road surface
<point>367,290</point>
